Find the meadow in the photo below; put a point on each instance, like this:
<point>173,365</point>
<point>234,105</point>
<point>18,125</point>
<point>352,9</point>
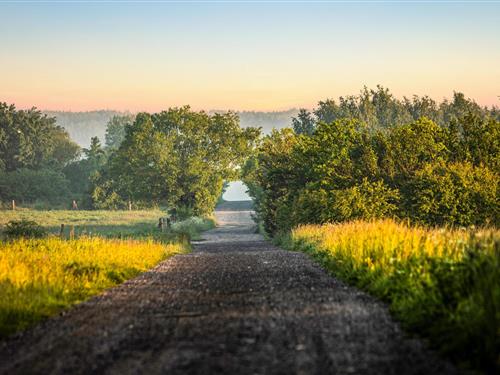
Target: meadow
<point>102,222</point>
<point>40,277</point>
<point>107,223</point>
<point>440,283</point>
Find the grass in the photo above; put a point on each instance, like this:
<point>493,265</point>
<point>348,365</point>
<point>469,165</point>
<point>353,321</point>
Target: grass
<point>440,283</point>
<point>41,277</point>
<point>110,224</point>
<point>99,222</point>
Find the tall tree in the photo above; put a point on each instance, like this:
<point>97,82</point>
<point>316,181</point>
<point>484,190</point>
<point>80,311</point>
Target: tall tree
<point>115,130</point>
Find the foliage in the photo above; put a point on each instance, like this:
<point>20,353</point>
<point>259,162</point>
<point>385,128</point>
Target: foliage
<point>23,228</point>
<point>81,126</point>
<point>358,164</point>
<point>379,109</point>
<point>115,130</point>
<point>31,140</point>
<point>28,186</point>
<point>176,158</point>
<point>457,193</point>
<point>80,173</point>
<point>303,123</point>
<point>439,283</point>
<point>38,278</point>
<point>192,226</point>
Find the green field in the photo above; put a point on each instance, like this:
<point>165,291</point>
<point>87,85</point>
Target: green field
<point>106,223</point>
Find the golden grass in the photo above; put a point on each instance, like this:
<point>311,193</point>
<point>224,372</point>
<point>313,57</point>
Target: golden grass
<point>440,283</point>
<point>390,242</point>
<point>38,277</point>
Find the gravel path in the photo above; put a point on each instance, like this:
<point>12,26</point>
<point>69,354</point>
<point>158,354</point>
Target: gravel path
<point>236,305</point>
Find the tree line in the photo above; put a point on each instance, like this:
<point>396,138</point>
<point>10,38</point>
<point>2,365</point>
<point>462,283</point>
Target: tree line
<point>178,159</point>
<point>372,156</point>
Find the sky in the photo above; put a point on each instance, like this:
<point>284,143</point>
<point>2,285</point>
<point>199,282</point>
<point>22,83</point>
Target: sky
<point>243,55</point>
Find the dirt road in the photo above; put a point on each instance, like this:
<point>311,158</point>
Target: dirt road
<point>235,305</point>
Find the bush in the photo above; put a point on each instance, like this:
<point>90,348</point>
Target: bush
<point>26,185</point>
<point>457,193</point>
<point>23,228</point>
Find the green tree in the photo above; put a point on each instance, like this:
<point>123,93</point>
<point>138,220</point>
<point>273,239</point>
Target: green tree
<point>29,139</point>
<point>304,122</point>
<point>115,130</point>
<point>177,158</point>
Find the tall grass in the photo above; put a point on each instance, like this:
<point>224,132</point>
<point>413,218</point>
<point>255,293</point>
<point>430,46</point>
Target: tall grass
<point>40,277</point>
<point>440,283</point>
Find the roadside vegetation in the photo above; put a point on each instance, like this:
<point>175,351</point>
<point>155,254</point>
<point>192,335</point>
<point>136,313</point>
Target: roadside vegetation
<point>42,272</point>
<point>388,195</point>
<point>441,283</point>
<point>40,277</point>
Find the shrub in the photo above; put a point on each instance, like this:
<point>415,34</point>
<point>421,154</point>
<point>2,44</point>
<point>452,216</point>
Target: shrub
<point>457,193</point>
<point>24,228</point>
<point>26,185</point>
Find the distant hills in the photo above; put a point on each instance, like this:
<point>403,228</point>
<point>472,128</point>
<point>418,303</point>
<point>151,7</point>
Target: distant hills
<point>82,126</point>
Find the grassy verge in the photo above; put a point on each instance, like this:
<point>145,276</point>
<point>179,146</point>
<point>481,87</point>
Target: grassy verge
<point>193,226</point>
<point>40,277</point>
<point>442,284</point>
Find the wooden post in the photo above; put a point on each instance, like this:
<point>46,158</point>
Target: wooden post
<point>13,205</point>
<point>61,232</point>
<point>129,205</point>
<point>75,205</point>
<point>72,232</point>
<point>160,224</point>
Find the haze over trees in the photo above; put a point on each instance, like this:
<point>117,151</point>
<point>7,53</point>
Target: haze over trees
<point>82,126</point>
<point>33,153</point>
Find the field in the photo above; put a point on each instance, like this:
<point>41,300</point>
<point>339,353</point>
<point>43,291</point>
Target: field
<point>440,283</point>
<point>105,223</point>
<point>39,277</point>
<point>94,222</point>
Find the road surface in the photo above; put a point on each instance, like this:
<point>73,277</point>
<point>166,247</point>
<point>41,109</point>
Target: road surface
<point>235,305</point>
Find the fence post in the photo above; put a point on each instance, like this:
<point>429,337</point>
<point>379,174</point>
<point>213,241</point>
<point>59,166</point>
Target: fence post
<point>75,205</point>
<point>129,205</point>
<point>13,205</point>
<point>72,232</point>
<point>160,224</point>
<point>61,232</point>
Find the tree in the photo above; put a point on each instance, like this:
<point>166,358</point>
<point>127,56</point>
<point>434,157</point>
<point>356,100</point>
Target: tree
<point>304,122</point>
<point>80,173</point>
<point>115,130</point>
<point>29,139</point>
<point>177,158</point>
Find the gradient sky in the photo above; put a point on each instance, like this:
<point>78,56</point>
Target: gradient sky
<point>243,55</point>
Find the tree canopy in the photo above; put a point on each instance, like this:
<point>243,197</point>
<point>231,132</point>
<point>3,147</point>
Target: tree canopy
<point>177,158</point>
<point>374,156</point>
